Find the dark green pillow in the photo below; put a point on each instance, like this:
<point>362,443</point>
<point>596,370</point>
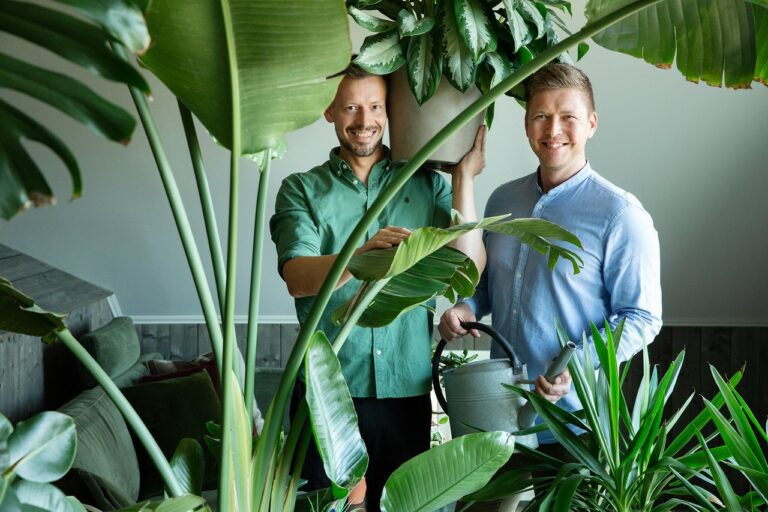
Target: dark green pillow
<point>115,347</point>
<point>172,410</point>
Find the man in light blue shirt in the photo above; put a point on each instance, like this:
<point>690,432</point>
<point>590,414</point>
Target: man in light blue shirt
<point>620,277</point>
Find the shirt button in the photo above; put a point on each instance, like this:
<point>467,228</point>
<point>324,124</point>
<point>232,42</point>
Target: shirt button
<point>519,275</point>
<point>514,311</point>
<point>378,352</point>
<point>354,182</point>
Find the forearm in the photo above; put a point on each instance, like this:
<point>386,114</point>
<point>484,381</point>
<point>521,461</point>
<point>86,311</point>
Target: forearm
<point>305,275</point>
<point>463,201</point>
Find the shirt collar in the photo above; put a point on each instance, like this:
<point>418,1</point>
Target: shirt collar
<point>340,167</point>
<point>569,184</point>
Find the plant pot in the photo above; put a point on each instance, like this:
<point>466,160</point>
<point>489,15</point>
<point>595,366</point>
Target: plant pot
<point>412,125</point>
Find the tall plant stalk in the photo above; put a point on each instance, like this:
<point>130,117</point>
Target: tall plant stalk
<point>253,305</point>
<point>272,424</point>
<point>125,408</point>
<point>228,477</point>
<point>206,203</point>
<point>180,217</point>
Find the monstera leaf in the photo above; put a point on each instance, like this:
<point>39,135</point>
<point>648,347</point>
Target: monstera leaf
<point>84,43</point>
<point>715,41</point>
<point>242,69</point>
<point>421,268</point>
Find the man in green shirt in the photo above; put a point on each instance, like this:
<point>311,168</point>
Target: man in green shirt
<point>387,369</point>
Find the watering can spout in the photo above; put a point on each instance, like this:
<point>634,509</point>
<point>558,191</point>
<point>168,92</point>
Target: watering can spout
<point>527,414</point>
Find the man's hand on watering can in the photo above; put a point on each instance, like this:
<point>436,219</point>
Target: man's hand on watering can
<point>554,391</point>
<point>450,323</point>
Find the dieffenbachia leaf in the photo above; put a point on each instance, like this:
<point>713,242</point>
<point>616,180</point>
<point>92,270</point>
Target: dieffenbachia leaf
<point>502,68</point>
<point>425,66</point>
<point>531,13</point>
<point>458,63</point>
<point>368,21</point>
<point>714,41</point>
<point>409,25</point>
<point>474,25</point>
<point>381,53</point>
<point>518,28</point>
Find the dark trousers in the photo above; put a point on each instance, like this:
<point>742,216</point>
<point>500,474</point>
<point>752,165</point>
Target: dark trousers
<point>393,429</point>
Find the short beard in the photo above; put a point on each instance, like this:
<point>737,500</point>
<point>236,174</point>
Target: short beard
<point>360,150</point>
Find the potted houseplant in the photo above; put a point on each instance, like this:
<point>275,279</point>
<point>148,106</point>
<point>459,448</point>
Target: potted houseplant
<point>228,34</point>
<point>443,55</point>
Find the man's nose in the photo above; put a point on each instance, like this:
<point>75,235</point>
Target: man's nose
<point>554,127</point>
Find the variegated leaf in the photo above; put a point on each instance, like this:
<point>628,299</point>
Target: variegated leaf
<point>425,66</point>
<point>368,21</point>
<point>518,29</point>
<point>531,13</point>
<point>381,53</point>
<point>409,25</point>
<point>474,25</point>
<point>458,64</point>
<point>501,66</point>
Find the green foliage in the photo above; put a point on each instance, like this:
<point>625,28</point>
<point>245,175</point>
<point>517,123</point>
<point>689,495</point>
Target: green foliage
<point>447,472</point>
<point>627,459</point>
<point>87,43</point>
<point>470,42</point>
<point>39,451</point>
<point>19,313</point>
<point>333,417</point>
<point>247,72</point>
<point>188,464</point>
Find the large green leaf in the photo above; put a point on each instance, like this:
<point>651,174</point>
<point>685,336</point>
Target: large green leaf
<point>123,19</point>
<point>282,52</point>
<point>381,53</point>
<point>42,448</point>
<point>18,313</point>
<point>181,504</point>
<point>21,182</point>
<point>409,25</point>
<point>333,416</point>
<point>446,272</point>
<point>710,40</point>
<point>447,472</point>
<point>69,37</point>
<point>6,429</point>
<point>41,497</point>
<point>521,34</point>
<point>188,465</point>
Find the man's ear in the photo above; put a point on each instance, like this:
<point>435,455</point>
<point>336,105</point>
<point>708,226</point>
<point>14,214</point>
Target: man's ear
<point>592,124</point>
<point>329,113</point>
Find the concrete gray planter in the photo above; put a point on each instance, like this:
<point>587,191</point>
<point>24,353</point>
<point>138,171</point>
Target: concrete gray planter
<point>411,125</point>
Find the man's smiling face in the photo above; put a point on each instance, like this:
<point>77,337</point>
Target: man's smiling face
<point>558,123</point>
<point>359,115</point>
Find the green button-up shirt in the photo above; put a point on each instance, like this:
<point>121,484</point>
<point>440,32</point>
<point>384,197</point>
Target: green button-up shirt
<point>315,212</point>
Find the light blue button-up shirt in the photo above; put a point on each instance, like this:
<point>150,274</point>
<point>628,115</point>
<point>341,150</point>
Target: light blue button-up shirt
<point>620,277</point>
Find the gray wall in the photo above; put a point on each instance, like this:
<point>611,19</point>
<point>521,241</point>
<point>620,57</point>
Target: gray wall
<point>694,155</point>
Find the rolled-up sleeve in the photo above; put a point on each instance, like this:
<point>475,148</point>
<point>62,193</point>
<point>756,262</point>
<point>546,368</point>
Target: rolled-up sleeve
<point>293,227</point>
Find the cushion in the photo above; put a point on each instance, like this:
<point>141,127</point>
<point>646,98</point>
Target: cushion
<point>172,410</point>
<point>104,446</point>
<point>115,347</point>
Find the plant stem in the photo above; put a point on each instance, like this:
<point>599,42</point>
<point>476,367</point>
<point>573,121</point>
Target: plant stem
<point>231,480</point>
<point>125,408</point>
<point>298,436</point>
<point>206,203</point>
<point>359,308</point>
<point>271,427</point>
<point>253,308</point>
<point>179,215</point>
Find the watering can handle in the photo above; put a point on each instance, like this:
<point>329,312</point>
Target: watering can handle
<point>495,336</point>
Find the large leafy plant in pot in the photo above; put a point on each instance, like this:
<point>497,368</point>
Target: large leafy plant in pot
<point>443,54</point>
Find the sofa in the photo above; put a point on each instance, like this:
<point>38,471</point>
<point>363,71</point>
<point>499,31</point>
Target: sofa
<point>111,469</point>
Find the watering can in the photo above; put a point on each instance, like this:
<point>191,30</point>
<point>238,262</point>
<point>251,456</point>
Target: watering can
<point>477,401</point>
